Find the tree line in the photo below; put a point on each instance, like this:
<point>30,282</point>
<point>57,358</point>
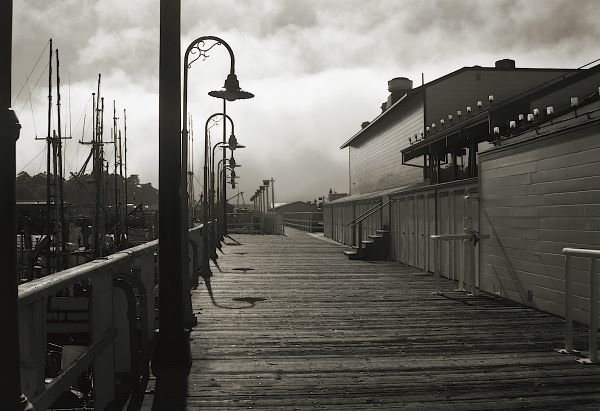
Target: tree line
<point>80,191</point>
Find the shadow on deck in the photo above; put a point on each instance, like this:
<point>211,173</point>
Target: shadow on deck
<point>297,325</point>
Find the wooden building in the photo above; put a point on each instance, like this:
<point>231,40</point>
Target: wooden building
<point>411,114</point>
<point>415,171</point>
<point>540,192</point>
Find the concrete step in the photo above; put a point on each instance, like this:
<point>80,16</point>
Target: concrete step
<point>352,254</point>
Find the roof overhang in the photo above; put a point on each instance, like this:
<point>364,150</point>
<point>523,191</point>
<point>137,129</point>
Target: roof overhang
<point>452,137</point>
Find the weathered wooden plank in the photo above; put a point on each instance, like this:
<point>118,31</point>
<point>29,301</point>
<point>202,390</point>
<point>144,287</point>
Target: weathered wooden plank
<point>307,328</point>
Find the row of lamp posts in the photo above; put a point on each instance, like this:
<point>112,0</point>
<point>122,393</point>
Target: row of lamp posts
<point>261,199</point>
<point>212,211</point>
<point>172,351</point>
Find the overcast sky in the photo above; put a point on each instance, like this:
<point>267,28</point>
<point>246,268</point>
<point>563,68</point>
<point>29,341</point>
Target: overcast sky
<point>318,69</point>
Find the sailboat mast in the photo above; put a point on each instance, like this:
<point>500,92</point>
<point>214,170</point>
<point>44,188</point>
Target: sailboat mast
<point>49,224</point>
<point>98,170</point>
<point>126,190</point>
<point>116,157</point>
<point>60,201</point>
<point>191,183</point>
<point>121,210</point>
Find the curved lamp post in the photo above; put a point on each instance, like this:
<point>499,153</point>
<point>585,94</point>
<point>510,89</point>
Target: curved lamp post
<point>231,91</point>
<point>222,172</point>
<point>209,162</point>
<point>233,145</point>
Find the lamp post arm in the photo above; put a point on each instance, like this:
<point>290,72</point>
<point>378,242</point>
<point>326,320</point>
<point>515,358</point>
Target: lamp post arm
<point>216,115</point>
<point>220,143</point>
<point>194,47</point>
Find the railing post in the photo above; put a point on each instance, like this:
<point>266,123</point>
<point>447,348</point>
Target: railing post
<point>593,346</point>
<point>32,333</point>
<point>101,320</point>
<point>467,271</point>
<point>360,229</point>
<point>472,271</point>
<point>568,305</point>
<point>195,246</point>
<point>146,263</point>
<point>568,314</point>
<point>122,346</point>
<point>437,265</point>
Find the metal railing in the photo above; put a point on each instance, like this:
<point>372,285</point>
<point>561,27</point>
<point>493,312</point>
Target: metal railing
<point>593,255</point>
<point>304,220</point>
<point>254,223</point>
<point>133,271</point>
<point>357,223</point>
<point>366,214</point>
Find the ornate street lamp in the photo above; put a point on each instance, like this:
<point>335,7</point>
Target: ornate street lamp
<point>208,189</point>
<point>231,91</point>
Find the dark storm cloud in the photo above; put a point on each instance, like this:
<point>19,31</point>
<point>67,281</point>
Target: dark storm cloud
<point>92,36</point>
<point>318,68</point>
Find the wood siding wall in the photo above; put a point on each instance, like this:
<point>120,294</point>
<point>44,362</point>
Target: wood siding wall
<point>376,164</point>
<point>412,220</point>
<point>336,216</point>
<point>536,199</point>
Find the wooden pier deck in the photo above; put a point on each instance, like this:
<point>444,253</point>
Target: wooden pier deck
<point>298,326</point>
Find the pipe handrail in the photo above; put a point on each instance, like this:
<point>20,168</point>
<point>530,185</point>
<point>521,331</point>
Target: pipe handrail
<point>368,213</point>
<point>581,252</point>
<point>352,222</point>
<point>594,256</point>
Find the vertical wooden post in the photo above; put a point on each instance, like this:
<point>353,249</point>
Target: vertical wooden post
<point>32,335</point>
<point>146,263</point>
<point>122,352</point>
<point>101,321</point>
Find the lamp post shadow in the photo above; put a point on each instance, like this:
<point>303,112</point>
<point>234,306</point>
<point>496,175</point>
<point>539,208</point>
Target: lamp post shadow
<point>170,392</point>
